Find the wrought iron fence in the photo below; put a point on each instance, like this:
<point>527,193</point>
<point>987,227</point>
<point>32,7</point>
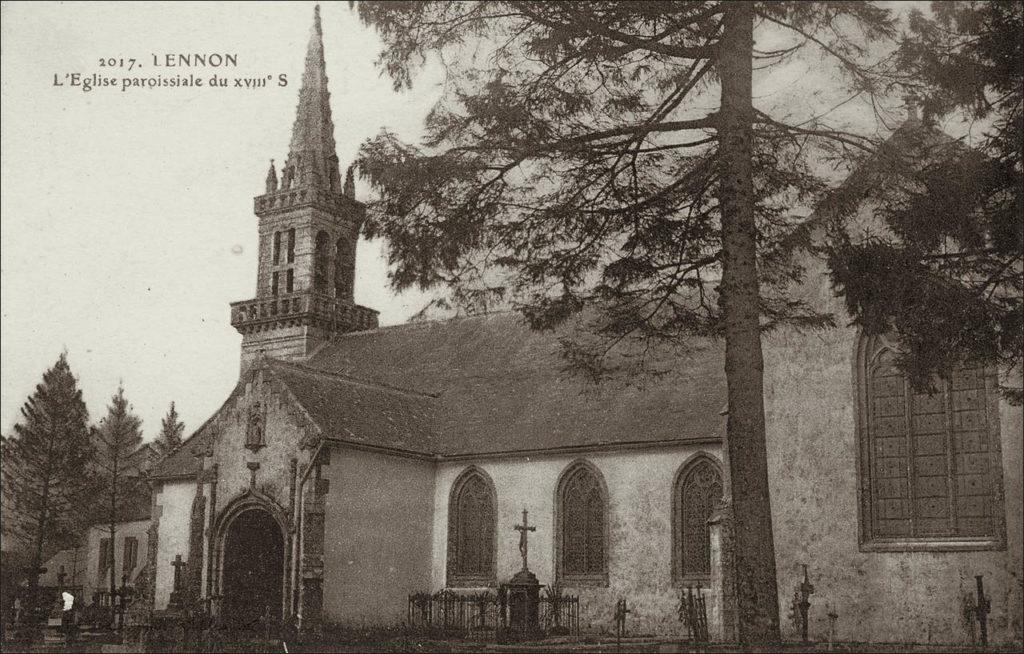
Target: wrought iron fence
<point>484,614</point>
<point>455,612</point>
<point>559,613</point>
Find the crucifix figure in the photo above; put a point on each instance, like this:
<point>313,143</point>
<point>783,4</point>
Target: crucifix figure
<point>178,565</point>
<point>523,544</point>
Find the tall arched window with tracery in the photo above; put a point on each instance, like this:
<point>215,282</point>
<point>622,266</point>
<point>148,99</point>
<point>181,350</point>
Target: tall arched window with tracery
<point>697,490</point>
<point>581,538</point>
<point>321,261</point>
<point>471,517</point>
<point>929,460</point>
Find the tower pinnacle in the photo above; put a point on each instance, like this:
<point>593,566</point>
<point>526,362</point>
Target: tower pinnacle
<point>312,161</point>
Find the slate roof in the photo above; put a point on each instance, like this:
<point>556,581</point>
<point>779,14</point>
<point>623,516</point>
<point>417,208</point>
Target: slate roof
<point>363,412</point>
<point>488,385</point>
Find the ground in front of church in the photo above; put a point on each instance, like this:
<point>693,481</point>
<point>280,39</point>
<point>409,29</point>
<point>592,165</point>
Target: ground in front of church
<point>398,641</point>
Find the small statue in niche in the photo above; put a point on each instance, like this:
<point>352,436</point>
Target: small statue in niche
<point>255,437</point>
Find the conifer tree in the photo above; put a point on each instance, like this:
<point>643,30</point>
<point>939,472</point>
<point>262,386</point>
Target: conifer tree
<point>117,437</point>
<point>45,463</point>
<point>946,274</point>
<point>171,431</point>
<point>609,159</point>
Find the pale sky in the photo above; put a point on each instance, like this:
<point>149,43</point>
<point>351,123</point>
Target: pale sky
<point>127,222</point>
<point>127,216</point>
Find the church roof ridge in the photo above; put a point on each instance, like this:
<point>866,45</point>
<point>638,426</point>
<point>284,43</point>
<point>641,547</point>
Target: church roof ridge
<point>321,372</point>
<point>913,132</point>
<point>423,324</point>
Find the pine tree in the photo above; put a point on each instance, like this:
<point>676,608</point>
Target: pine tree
<point>117,437</point>
<point>171,431</point>
<point>573,152</point>
<point>45,482</point>
<point>946,275</point>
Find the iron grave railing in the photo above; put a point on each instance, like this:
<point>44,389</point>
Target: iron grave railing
<point>484,614</point>
<point>693,612</point>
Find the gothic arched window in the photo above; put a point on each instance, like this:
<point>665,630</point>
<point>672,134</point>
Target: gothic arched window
<point>471,516</point>
<point>277,248</point>
<point>321,261</point>
<point>697,489</point>
<point>930,468</point>
<point>582,552</point>
<point>342,270</point>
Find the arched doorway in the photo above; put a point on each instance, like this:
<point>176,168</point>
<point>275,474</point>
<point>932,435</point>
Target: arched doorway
<point>253,569</point>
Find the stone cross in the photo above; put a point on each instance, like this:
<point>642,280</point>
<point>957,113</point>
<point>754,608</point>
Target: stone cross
<point>523,544</point>
<point>178,565</point>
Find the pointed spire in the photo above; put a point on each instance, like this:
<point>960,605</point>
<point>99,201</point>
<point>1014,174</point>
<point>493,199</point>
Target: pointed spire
<point>271,179</point>
<point>312,162</point>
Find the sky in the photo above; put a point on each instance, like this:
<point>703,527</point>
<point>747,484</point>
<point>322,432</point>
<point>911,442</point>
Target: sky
<point>127,222</point>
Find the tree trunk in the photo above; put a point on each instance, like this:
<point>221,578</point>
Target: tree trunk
<point>756,592</point>
<point>113,527</point>
<point>37,555</point>
<point>111,559</point>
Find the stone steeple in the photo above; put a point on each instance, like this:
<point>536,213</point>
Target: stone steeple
<point>312,162</point>
<point>309,222</point>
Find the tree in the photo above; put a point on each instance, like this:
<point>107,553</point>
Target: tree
<point>117,437</point>
<point>569,151</point>
<point>946,275</point>
<point>171,431</point>
<point>44,463</point>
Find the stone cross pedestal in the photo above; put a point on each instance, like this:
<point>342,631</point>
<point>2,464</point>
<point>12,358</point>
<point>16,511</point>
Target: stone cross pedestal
<point>523,589</point>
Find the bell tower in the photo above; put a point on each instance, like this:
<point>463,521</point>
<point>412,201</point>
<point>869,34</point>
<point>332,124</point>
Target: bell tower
<point>309,223</point>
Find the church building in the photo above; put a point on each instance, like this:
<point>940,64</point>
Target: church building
<point>353,465</point>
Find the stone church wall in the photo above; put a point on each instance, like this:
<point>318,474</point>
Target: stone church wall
<point>377,534</point>
<point>174,509</point>
<point>810,404</point>
<point>268,472</point>
<point>640,487</point>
